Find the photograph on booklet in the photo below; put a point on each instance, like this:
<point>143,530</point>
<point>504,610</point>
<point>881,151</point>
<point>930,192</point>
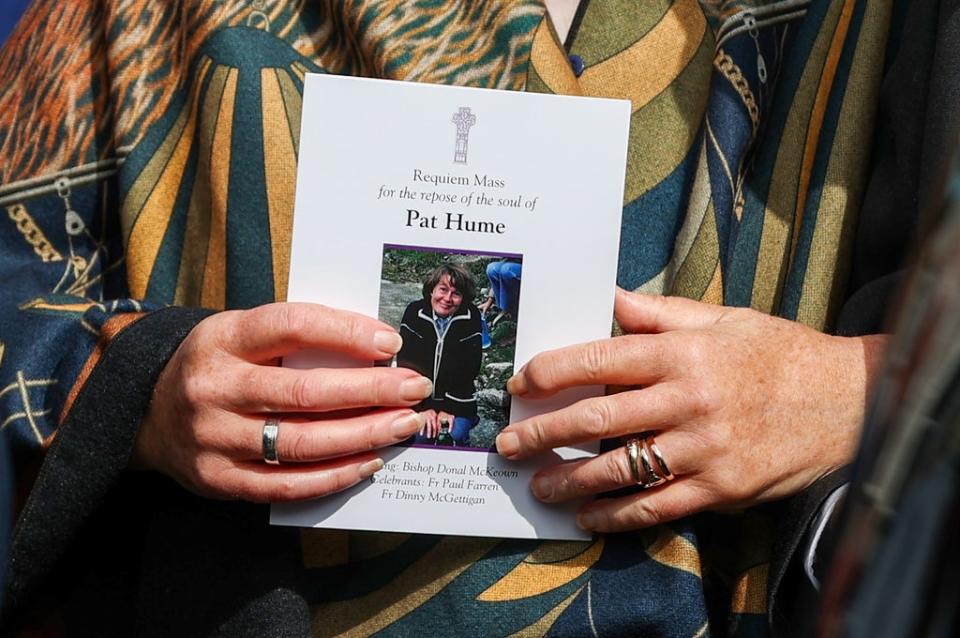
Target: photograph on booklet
<point>457,312</point>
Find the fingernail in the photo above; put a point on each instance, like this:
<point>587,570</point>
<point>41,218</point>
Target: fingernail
<point>416,389</point>
<point>370,468</point>
<point>542,488</point>
<point>587,520</point>
<point>387,341</point>
<point>406,426</point>
<point>508,444</point>
<point>516,385</point>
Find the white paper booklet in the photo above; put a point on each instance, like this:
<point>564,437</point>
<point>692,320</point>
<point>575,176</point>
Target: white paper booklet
<point>484,225</point>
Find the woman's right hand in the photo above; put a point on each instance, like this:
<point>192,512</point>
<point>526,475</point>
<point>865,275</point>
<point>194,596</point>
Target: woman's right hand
<point>204,426</point>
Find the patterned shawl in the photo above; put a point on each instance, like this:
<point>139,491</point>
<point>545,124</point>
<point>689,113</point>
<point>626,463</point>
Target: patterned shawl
<point>148,158</point>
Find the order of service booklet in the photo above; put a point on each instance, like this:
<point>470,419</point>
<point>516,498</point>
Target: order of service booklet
<point>484,226</point>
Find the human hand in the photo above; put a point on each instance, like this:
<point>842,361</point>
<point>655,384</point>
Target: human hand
<point>444,416</point>
<point>205,422</point>
<point>746,408</point>
<point>484,307</point>
<point>431,424</point>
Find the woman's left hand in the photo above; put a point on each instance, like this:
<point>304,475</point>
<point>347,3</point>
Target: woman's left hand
<point>745,407</point>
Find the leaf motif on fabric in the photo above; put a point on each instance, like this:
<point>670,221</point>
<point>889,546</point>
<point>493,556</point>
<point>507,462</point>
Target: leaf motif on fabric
<point>535,577</point>
<point>673,550</point>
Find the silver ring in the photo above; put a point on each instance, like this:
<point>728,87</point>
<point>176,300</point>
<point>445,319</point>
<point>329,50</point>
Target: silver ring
<point>632,447</point>
<point>653,479</point>
<point>647,465</point>
<point>662,474</point>
<point>271,428</point>
<point>664,470</point>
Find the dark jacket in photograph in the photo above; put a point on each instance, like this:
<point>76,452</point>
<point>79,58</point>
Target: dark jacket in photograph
<point>451,358</point>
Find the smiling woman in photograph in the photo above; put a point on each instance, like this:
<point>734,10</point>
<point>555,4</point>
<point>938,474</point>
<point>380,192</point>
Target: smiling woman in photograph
<point>442,341</point>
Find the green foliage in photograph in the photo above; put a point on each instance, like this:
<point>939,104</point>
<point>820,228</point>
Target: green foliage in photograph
<point>410,265</point>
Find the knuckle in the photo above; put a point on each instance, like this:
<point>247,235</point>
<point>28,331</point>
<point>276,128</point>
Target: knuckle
<point>596,419</point>
<point>209,329</point>
<point>220,330</point>
<point>724,438</point>
<point>617,469</point>
<point>382,391</point>
<point>256,492</point>
<point>337,482</point>
<point>286,487</point>
<point>596,359</point>
<point>644,512</point>
<point>702,399</point>
<point>291,319</point>
<point>280,488</point>
<point>537,375</point>
<point>536,433</point>
<point>699,351</point>
<point>368,438</point>
<point>206,473</point>
<point>301,392</point>
<point>207,435</point>
<point>253,320</point>
<point>246,384</point>
<point>732,491</point>
<point>297,447</point>
<point>355,330</point>
<point>196,390</point>
<point>641,348</point>
<point>578,483</point>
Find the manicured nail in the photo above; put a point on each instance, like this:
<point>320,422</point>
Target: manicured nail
<point>542,488</point>
<point>387,342</point>
<point>416,389</point>
<point>508,444</point>
<point>587,520</point>
<point>516,385</point>
<point>406,426</point>
<point>370,468</point>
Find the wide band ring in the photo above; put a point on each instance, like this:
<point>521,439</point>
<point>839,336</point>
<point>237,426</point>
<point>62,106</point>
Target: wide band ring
<point>647,465</point>
<point>271,428</point>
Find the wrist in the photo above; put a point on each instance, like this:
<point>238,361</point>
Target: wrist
<point>853,376</point>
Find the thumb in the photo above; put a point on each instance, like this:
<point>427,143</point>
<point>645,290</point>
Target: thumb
<point>641,313</point>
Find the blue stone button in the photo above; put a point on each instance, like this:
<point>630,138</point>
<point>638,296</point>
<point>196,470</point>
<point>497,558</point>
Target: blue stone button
<point>576,62</point>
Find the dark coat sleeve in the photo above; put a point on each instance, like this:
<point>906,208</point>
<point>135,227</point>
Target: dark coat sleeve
<point>92,447</point>
<point>917,130</point>
<point>412,353</point>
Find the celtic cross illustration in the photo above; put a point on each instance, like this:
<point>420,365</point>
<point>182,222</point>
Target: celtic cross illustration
<point>464,119</point>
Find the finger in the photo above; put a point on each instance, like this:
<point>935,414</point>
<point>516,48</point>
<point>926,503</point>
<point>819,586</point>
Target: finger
<point>304,441</point>
<point>277,329</point>
<point>655,407</point>
<point>611,470</point>
<point>275,389</point>
<point>668,502</point>
<point>263,483</point>
<point>641,313</point>
<point>627,360</point>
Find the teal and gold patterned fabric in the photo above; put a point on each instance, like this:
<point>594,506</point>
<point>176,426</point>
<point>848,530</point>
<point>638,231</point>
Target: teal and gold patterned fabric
<point>148,159</point>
